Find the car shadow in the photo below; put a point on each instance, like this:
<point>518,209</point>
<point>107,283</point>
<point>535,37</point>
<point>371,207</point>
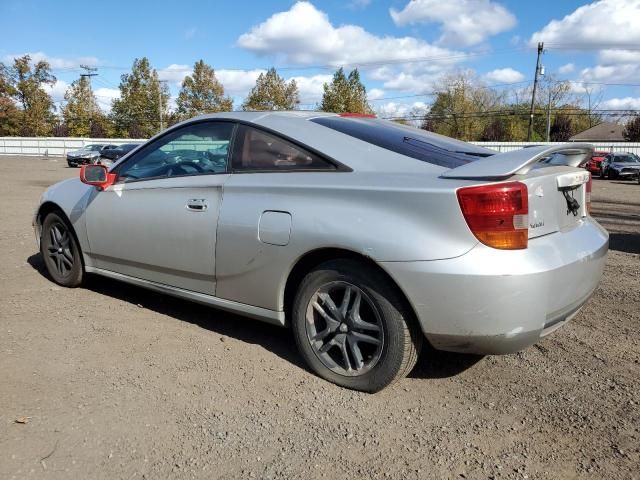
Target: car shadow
<point>625,242</point>
<point>432,364</point>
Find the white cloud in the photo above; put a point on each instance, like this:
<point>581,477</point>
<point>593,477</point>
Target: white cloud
<point>463,22</point>
<point>611,73</point>
<point>57,90</point>
<point>567,68</point>
<point>604,23</point>
<point>303,35</point>
<point>375,94</point>
<point>504,75</point>
<point>311,88</point>
<point>397,110</point>
<point>238,82</point>
<point>627,103</point>
<point>55,63</point>
<point>174,73</point>
<point>104,96</point>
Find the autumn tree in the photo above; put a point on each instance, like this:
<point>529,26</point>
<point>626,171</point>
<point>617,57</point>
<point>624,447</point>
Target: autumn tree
<point>81,109</point>
<point>495,131</point>
<point>632,130</point>
<point>459,106</point>
<point>561,128</point>
<point>201,92</point>
<point>345,94</point>
<point>9,113</point>
<point>272,92</point>
<point>143,100</point>
<point>24,83</point>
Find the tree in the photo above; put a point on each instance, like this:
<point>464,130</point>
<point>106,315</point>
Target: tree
<point>345,94</point>
<point>201,92</point>
<point>143,99</point>
<point>632,130</point>
<point>495,131</point>
<point>561,128</point>
<point>272,92</point>
<point>81,109</point>
<point>460,107</point>
<point>24,83</point>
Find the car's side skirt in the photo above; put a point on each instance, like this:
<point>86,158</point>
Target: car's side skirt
<point>266,315</point>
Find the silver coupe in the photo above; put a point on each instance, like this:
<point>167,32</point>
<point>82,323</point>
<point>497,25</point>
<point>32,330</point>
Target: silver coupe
<point>362,235</point>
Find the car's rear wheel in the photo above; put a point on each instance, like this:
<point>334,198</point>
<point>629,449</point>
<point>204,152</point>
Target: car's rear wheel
<point>612,174</point>
<point>60,251</point>
<point>353,327</point>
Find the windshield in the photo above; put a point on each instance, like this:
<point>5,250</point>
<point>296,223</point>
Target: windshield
<point>628,158</point>
<point>93,148</point>
<point>409,141</point>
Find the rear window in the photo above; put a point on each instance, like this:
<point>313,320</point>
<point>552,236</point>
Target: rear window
<point>409,141</point>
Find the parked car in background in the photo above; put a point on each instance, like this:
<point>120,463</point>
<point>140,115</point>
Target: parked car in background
<point>593,164</point>
<point>362,235</point>
<point>620,165</point>
<point>87,154</point>
<point>109,157</point>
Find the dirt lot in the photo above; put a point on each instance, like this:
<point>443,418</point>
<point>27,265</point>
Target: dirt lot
<point>117,382</point>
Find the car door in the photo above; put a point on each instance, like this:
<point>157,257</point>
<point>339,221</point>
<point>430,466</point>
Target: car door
<point>158,221</point>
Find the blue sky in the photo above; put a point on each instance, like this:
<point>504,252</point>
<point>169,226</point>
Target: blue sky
<point>404,49</point>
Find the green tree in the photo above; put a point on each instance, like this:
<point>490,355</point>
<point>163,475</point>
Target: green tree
<point>81,109</point>
<point>632,130</point>
<point>272,92</point>
<point>345,94</point>
<point>143,100</point>
<point>24,83</point>
<point>201,92</point>
<point>461,106</point>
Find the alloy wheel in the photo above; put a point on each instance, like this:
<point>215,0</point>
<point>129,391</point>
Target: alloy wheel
<point>59,247</point>
<point>344,328</point>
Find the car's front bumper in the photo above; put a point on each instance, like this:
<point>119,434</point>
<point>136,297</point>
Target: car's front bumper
<point>491,301</point>
<point>75,161</point>
<point>627,173</point>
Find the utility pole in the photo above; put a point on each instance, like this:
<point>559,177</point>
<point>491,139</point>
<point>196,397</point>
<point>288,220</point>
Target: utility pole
<point>88,73</point>
<point>160,82</point>
<point>549,116</point>
<point>533,94</point>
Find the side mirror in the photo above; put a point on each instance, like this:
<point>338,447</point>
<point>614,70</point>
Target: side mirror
<point>97,175</point>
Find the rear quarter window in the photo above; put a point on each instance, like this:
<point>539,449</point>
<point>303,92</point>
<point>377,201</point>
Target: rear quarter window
<point>411,142</point>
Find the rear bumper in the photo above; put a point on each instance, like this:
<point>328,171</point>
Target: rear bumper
<point>492,301</point>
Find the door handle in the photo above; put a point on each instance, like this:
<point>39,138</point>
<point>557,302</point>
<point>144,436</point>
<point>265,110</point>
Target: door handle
<point>197,205</point>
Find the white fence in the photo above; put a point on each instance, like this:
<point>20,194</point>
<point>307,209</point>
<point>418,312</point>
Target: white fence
<point>53,146</point>
<point>59,146</point>
<point>599,146</point>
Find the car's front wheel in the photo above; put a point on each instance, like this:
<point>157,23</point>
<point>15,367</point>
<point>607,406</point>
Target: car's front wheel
<point>60,251</point>
<point>353,327</point>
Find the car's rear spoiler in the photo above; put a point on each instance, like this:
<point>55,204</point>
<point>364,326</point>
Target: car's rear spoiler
<point>519,162</point>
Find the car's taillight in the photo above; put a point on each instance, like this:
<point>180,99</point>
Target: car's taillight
<point>498,214</point>
<point>587,196</point>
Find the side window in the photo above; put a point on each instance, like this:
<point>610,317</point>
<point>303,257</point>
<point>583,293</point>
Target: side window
<point>198,149</point>
<point>255,150</point>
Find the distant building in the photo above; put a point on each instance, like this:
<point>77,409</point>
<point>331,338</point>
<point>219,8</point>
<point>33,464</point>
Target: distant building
<point>603,132</point>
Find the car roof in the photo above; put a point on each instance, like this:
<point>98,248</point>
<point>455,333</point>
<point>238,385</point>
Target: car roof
<point>351,151</point>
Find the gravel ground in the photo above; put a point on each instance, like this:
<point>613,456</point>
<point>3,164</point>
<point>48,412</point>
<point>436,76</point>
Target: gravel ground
<point>112,381</point>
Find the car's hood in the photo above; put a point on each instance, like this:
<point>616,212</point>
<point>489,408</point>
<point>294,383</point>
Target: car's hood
<point>626,164</point>
<point>83,152</point>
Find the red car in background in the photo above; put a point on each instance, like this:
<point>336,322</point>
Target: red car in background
<point>593,165</point>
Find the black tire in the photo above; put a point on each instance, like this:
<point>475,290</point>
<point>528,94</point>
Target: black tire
<point>60,251</point>
<point>612,174</point>
<point>376,365</point>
